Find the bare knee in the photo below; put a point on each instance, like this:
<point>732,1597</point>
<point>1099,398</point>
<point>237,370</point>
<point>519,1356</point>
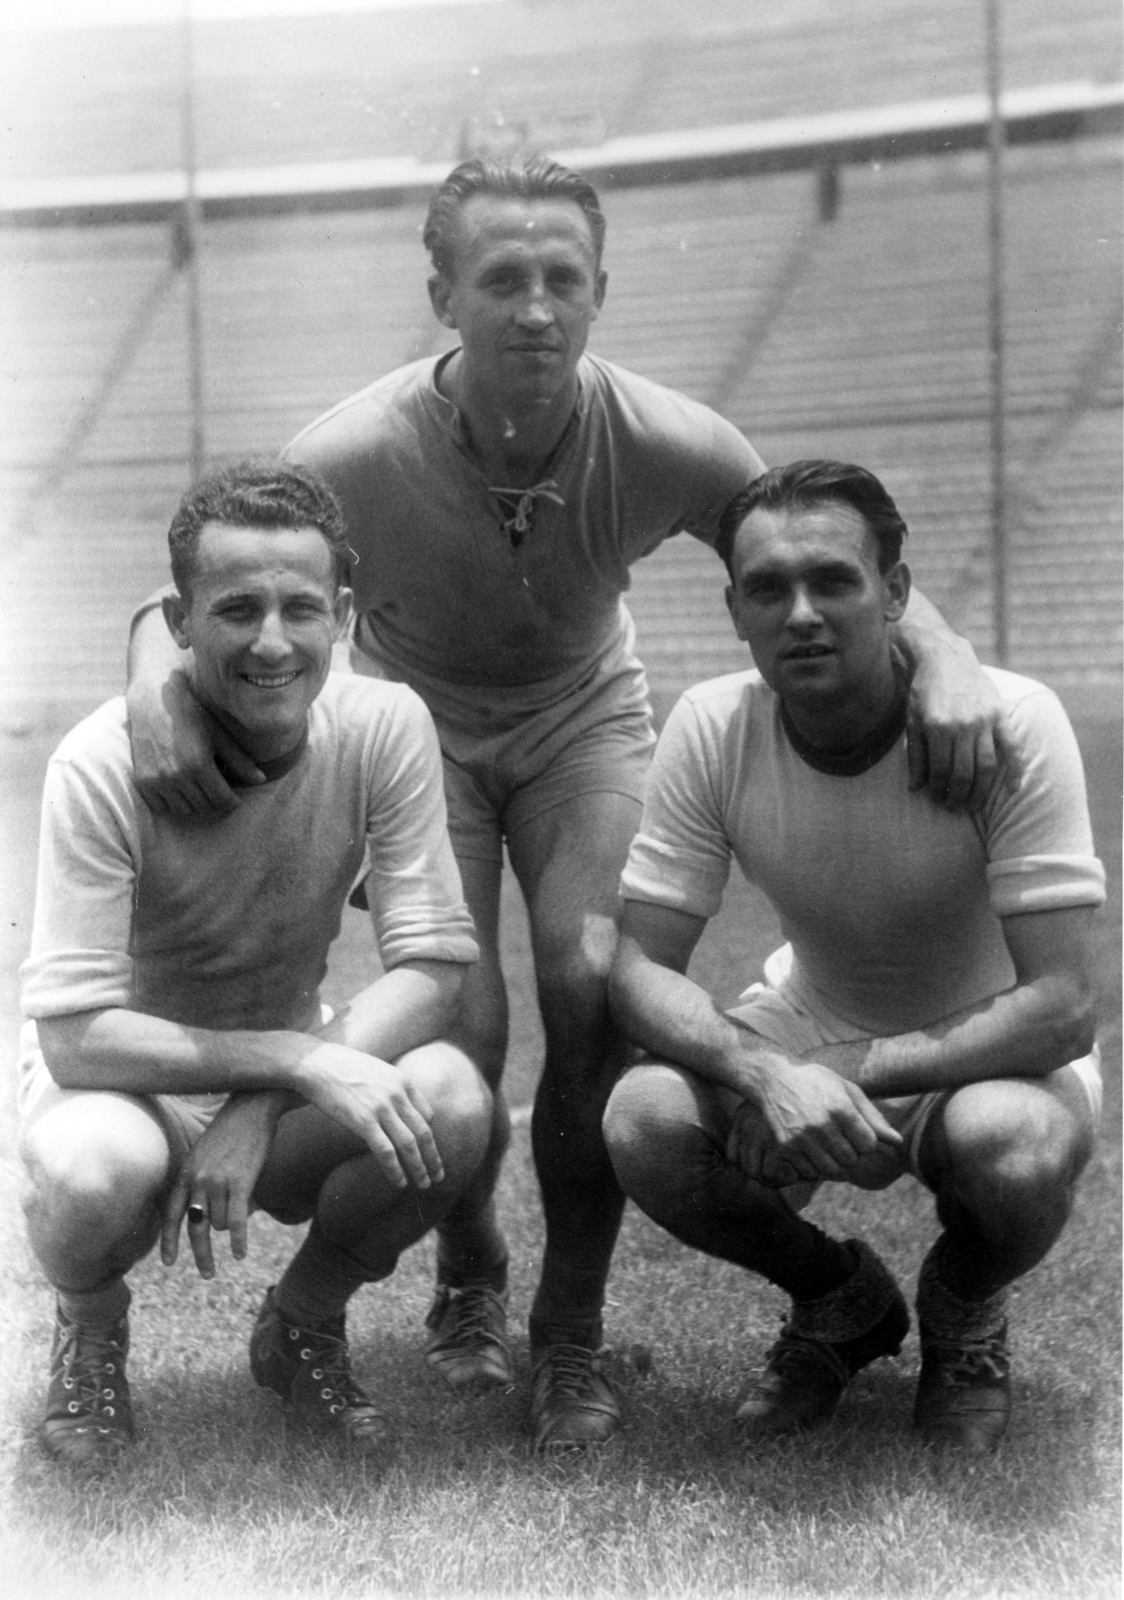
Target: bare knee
<point>572,964</point>
<point>584,1051</point>
<point>654,1142</point>
<point>1017,1144</point>
<point>461,1100</point>
<point>89,1187</point>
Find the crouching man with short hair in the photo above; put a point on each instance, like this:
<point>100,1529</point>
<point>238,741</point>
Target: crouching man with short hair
<point>176,1059</point>
<point>931,1011</point>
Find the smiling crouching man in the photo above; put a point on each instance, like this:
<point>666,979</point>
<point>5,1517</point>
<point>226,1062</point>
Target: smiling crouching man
<point>930,1013</point>
<point>177,1059</point>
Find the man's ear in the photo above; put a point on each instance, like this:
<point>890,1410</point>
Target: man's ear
<point>600,285</point>
<point>175,615</point>
<point>440,290</point>
<point>896,585</point>
<point>342,607</point>
<point>732,608</point>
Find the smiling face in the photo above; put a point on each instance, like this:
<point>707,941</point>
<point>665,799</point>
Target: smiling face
<point>809,600</point>
<point>261,618</point>
<point>524,289</point>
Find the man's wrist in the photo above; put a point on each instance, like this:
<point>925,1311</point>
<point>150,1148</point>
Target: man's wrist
<point>178,683</point>
<point>270,1104</point>
<point>928,648</point>
<point>752,1068</point>
<point>145,689</point>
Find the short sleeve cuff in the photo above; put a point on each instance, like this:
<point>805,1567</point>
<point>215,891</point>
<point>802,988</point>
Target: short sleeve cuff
<point>663,879</point>
<point>457,947</point>
<point>66,982</point>
<point>1045,883</point>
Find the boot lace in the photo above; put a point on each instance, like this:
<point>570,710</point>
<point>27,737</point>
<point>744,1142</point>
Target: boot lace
<point>570,1369</point>
<point>330,1366</point>
<point>964,1362</point>
<point>89,1365</point>
<point>474,1316</point>
<point>799,1356</point>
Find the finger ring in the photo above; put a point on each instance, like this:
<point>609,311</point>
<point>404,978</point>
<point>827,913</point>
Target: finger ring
<point>196,1214</point>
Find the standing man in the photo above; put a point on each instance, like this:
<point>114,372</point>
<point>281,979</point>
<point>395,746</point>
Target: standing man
<point>931,1013</point>
<point>176,1059</point>
<point>495,498</point>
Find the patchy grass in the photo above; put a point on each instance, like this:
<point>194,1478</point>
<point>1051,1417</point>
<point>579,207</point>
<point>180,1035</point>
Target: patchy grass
<point>220,1502</point>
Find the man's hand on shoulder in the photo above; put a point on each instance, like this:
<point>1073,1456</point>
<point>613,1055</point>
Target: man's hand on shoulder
<point>958,734</point>
<point>174,743</point>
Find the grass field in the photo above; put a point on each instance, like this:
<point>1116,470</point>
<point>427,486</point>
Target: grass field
<point>218,1502</point>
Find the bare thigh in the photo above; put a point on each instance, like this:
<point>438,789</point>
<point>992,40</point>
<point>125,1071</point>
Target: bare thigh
<point>84,1134</point>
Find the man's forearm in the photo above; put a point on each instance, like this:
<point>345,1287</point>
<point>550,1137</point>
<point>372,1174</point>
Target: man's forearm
<point>669,1015</point>
<point>1023,1033</point>
<point>153,654</point>
<point>173,739</point>
<point>132,1053</point>
<point>923,632</point>
<point>266,1106</point>
<point>405,1007</point>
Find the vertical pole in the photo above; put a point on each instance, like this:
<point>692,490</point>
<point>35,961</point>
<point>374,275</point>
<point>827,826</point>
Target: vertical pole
<point>995,149</point>
<point>190,233</point>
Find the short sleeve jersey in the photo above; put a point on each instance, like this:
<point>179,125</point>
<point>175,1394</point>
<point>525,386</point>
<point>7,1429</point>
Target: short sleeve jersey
<point>891,905</point>
<point>228,924</point>
<point>447,593</point>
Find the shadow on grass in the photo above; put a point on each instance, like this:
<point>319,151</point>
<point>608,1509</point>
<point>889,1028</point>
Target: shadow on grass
<point>217,1463</point>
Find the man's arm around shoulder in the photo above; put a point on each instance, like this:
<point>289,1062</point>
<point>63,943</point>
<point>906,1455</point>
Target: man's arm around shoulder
<point>174,742</point>
<point>960,739</point>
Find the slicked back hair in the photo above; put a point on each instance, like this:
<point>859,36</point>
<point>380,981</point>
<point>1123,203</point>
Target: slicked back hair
<point>809,483</point>
<point>256,494</point>
<point>520,178</point>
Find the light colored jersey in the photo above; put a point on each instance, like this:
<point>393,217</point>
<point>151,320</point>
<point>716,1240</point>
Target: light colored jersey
<point>890,903</point>
<point>452,591</point>
<point>227,923</point>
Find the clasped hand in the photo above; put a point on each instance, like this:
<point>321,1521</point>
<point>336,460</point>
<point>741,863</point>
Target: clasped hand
<point>364,1094</point>
<point>806,1124</point>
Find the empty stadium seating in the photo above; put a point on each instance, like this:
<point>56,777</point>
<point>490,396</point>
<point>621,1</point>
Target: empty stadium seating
<point>864,336</point>
<point>353,85</point>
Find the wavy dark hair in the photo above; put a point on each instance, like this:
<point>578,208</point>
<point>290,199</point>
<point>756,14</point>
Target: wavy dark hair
<point>521,177</point>
<point>256,494</point>
<point>806,483</point>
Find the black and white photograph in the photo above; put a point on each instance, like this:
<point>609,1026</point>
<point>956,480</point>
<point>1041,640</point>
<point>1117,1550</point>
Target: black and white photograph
<point>561,711</point>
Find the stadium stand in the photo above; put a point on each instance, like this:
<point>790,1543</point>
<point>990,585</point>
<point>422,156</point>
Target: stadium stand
<point>299,89</point>
<point>859,333</point>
